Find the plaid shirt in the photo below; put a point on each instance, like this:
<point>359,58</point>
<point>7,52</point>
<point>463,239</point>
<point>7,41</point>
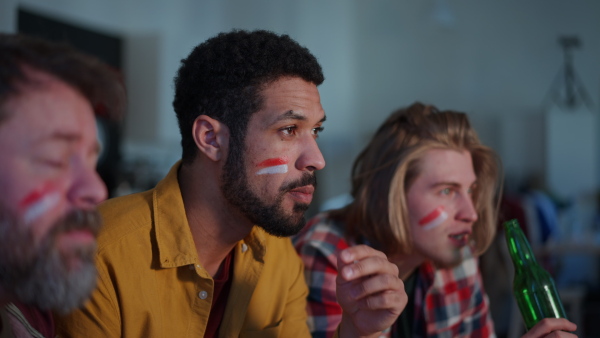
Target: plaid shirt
<point>448,302</point>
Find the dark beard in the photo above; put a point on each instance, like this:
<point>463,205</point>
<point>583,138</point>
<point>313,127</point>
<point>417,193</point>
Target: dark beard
<point>39,274</point>
<point>272,218</point>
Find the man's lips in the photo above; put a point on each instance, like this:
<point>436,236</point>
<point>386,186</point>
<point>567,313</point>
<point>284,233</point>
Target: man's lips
<point>79,236</point>
<point>303,194</point>
<point>460,238</point>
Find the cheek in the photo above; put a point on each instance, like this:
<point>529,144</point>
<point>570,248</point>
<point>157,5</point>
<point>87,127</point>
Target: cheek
<point>272,166</point>
<point>433,219</point>
<point>39,202</point>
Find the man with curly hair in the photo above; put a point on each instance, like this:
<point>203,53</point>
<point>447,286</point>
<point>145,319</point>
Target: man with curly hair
<point>206,252</point>
<point>48,179</point>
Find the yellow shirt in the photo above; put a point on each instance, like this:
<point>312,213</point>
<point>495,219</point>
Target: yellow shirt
<point>151,284</point>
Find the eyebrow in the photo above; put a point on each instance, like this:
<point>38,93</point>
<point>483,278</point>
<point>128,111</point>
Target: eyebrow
<point>292,115</point>
<point>452,184</point>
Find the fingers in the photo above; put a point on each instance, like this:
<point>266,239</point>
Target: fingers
<point>358,252</point>
<point>560,334</point>
<point>362,261</point>
<point>369,290</point>
<point>374,285</point>
<point>552,327</point>
<point>395,301</point>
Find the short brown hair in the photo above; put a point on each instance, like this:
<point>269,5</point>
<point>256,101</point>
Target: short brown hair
<point>384,171</point>
<point>99,84</point>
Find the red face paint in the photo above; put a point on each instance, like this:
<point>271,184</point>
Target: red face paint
<point>36,195</point>
<point>39,202</point>
<point>272,162</point>
<point>273,166</point>
<point>434,218</point>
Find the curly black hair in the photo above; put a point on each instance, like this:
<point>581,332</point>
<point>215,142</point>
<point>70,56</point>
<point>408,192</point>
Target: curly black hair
<point>96,81</point>
<point>222,78</point>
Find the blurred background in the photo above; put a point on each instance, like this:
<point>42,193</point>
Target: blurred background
<point>526,72</point>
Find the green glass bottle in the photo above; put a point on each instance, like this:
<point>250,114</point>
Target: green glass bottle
<point>533,287</point>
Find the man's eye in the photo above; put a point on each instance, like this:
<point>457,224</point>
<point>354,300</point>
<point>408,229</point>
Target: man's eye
<point>446,191</point>
<point>317,131</point>
<point>288,130</point>
<point>58,164</point>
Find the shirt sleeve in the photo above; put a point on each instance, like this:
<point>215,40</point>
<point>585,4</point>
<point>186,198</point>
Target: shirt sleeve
<point>317,248</point>
<point>98,318</point>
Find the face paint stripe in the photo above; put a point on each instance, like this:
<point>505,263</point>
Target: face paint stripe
<point>272,162</point>
<point>278,169</point>
<point>435,218</point>
<point>40,207</point>
<point>438,221</point>
<point>433,215</point>
<point>36,195</point>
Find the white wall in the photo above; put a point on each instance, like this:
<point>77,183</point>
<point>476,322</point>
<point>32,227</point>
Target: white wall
<point>495,60</point>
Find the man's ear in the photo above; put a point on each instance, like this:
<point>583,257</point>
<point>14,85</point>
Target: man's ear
<point>211,137</point>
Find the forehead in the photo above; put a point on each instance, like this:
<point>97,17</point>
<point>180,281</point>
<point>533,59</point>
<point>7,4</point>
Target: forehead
<point>290,94</point>
<point>447,165</point>
<point>47,106</point>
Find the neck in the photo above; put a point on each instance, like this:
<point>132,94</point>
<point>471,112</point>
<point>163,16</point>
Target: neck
<point>215,225</point>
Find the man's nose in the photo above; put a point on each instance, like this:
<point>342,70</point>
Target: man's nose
<point>467,211</point>
<point>87,189</point>
<point>311,158</point>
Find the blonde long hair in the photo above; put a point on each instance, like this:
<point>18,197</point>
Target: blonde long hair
<point>384,171</point>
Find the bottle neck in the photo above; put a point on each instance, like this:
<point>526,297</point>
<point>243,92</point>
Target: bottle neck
<point>518,246</point>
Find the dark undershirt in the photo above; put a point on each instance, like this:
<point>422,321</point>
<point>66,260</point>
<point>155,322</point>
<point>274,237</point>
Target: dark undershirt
<point>404,324</point>
<point>220,295</point>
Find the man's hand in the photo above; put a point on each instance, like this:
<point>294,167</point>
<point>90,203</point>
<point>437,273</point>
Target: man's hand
<point>551,328</point>
<point>369,290</point>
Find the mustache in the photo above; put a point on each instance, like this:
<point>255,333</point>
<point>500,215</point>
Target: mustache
<point>18,242</point>
<point>306,179</point>
<point>78,219</point>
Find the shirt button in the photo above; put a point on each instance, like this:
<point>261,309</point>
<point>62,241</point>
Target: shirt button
<point>244,247</point>
<point>203,294</point>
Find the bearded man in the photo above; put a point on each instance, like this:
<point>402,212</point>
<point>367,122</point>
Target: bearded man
<point>205,252</point>
<point>48,179</point>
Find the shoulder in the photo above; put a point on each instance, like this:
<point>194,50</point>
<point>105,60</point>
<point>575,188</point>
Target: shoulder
<point>125,206</point>
<point>123,216</point>
<point>323,234</point>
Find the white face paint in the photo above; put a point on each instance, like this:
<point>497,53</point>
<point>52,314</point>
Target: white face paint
<point>434,218</point>
<point>273,166</point>
<point>39,202</point>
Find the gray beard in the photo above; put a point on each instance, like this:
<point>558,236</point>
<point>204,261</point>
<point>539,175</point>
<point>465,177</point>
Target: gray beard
<point>39,274</point>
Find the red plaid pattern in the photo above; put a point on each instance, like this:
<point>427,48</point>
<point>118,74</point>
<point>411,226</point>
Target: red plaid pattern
<point>448,302</point>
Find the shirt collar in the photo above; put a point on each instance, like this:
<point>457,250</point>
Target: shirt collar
<point>173,235</point>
